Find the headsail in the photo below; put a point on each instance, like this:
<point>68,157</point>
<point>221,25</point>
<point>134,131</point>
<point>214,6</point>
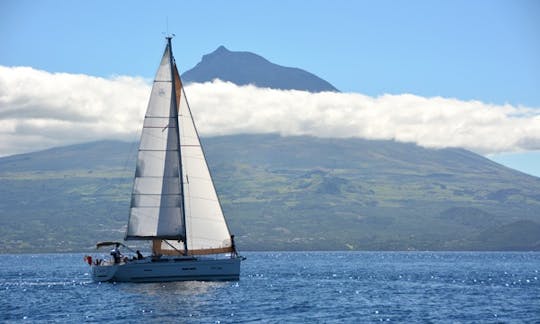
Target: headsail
<point>156,199</point>
<point>206,229</point>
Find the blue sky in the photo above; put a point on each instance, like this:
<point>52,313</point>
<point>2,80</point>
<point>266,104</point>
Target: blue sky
<point>482,50</point>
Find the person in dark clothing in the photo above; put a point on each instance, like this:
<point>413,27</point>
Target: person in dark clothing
<point>139,255</point>
<point>116,255</point>
<point>233,246</point>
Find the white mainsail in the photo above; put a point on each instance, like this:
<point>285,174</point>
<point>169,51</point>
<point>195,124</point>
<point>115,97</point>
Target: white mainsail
<point>156,199</point>
<point>160,203</point>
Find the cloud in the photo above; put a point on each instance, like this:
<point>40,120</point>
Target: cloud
<point>39,109</point>
<point>224,108</point>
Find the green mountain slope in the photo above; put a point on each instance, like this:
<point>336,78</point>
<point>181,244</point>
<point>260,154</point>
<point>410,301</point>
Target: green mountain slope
<point>286,193</point>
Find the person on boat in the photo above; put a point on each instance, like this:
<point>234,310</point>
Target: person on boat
<point>139,255</point>
<point>115,253</point>
<point>233,246</point>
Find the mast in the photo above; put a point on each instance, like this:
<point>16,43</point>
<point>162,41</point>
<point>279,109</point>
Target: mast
<point>173,98</point>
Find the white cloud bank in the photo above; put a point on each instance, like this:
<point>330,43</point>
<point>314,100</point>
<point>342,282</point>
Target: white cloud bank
<point>39,109</point>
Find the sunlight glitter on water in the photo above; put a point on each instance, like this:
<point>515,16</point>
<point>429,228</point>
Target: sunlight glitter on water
<point>288,287</point>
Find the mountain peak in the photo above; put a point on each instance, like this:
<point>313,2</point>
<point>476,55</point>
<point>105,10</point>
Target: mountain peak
<point>218,54</point>
<point>244,68</point>
<point>221,49</point>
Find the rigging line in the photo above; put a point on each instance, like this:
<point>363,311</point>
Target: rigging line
<point>169,244</point>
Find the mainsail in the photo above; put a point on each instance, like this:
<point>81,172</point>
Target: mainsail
<point>163,208</point>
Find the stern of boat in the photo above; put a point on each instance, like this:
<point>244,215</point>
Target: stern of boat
<point>103,272</point>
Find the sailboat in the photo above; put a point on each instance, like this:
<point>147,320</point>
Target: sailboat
<point>174,204</point>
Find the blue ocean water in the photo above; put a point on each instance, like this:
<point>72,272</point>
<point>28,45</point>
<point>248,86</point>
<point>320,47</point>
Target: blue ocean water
<point>333,287</point>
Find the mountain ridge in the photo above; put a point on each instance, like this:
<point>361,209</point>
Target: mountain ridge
<point>243,68</point>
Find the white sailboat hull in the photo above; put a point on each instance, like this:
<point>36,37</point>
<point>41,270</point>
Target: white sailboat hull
<point>169,269</point>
